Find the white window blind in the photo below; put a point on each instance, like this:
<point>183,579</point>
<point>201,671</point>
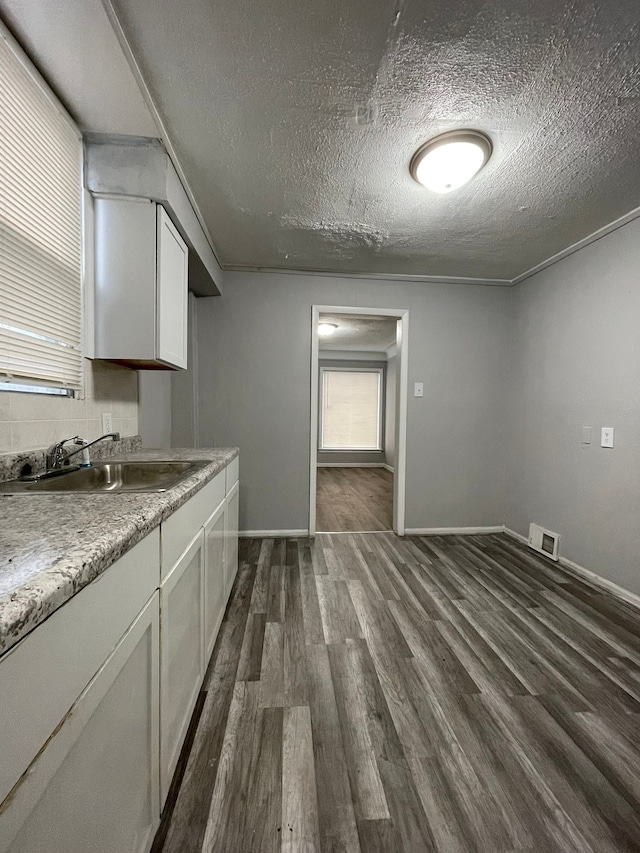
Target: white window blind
<point>351,409</point>
<point>40,230</point>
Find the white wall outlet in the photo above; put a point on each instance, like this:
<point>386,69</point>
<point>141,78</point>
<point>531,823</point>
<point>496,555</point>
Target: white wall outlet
<point>418,389</point>
<point>606,437</point>
<point>107,424</point>
<point>586,435</point>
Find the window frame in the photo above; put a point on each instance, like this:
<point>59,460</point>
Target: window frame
<point>377,369</point>
<point>33,385</point>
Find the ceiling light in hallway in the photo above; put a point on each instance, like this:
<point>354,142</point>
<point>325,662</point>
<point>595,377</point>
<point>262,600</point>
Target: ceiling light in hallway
<point>326,329</point>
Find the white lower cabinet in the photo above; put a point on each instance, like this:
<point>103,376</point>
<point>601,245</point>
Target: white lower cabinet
<point>94,788</point>
<point>231,511</point>
<point>95,703</point>
<point>182,661</point>
<point>215,598</point>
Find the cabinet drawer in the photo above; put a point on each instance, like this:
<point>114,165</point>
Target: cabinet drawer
<point>233,473</point>
<point>42,676</point>
<point>181,527</point>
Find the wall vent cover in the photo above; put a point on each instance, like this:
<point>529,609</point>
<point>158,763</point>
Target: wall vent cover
<point>544,541</point>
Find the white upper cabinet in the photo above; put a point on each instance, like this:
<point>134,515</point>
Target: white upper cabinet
<point>171,293</point>
<point>141,288</point>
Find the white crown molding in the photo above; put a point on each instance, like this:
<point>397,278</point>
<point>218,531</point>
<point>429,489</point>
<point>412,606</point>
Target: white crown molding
<point>443,279</point>
<point>581,244</point>
<point>432,279</point>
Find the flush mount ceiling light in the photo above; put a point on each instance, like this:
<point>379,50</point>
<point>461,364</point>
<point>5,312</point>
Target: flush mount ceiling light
<point>450,160</point>
<point>326,329</point>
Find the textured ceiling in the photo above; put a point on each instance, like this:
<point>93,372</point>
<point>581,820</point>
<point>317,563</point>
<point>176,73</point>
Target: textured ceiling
<point>358,332</point>
<point>295,123</point>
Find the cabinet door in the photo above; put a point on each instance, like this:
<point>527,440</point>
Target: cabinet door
<point>181,654</point>
<point>171,293</point>
<point>214,577</point>
<point>231,537</point>
<point>95,786</point>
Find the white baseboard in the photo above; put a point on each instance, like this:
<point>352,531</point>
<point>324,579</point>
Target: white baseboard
<point>351,465</point>
<point>451,531</point>
<point>587,574</point>
<point>388,467</point>
<point>518,536</point>
<point>271,534</point>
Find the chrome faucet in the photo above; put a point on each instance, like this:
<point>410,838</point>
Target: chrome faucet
<point>57,458</point>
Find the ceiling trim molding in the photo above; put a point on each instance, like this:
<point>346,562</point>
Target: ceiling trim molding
<point>581,244</point>
<point>166,139</point>
<point>433,279</point>
<point>443,279</point>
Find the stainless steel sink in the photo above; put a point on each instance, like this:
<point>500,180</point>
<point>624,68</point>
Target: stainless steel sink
<point>109,477</point>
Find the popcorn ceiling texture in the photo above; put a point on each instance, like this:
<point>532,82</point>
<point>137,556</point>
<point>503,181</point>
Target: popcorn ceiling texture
<point>295,126</point>
<point>30,421</point>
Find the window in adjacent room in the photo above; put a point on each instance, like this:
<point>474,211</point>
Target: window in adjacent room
<point>351,409</point>
<point>40,232</point>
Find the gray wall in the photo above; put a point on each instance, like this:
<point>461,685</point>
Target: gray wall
<point>184,389</point>
<point>576,362</point>
<point>254,365</point>
<point>352,457</point>
<point>390,413</point>
<point>154,414</point>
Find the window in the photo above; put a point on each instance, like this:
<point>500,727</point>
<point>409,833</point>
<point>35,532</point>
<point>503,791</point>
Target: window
<point>40,231</point>
<point>351,411</point>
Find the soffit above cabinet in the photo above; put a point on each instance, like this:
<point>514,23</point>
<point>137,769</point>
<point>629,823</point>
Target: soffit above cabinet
<point>139,167</point>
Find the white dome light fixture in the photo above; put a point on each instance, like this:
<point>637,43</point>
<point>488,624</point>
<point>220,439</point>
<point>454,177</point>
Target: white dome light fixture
<point>326,329</point>
<point>448,161</point>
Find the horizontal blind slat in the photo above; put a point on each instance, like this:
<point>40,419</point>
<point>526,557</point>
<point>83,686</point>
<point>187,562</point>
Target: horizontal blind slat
<point>44,362</point>
<point>351,410</point>
<point>40,232</point>
<point>16,83</point>
<point>35,213</point>
<point>16,247</point>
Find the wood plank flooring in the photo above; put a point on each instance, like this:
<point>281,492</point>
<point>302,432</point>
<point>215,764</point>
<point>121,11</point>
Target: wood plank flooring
<point>369,693</point>
<point>354,499</point>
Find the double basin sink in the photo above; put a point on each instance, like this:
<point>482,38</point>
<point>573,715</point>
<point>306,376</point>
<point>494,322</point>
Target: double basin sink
<point>106,477</point>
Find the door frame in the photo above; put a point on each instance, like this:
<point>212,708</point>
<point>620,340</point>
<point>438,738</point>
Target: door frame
<point>401,315</point>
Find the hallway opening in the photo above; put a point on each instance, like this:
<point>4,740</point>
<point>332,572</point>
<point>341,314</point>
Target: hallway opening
<point>357,420</point>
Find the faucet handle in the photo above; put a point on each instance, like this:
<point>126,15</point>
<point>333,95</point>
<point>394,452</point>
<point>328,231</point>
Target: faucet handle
<point>55,456</point>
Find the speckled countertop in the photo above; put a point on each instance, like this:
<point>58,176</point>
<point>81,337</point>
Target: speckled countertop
<point>53,545</point>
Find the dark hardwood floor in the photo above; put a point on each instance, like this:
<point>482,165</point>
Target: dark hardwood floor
<point>369,693</point>
<point>354,499</point>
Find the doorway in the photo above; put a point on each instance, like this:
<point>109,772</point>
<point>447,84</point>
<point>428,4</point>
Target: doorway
<point>358,419</point>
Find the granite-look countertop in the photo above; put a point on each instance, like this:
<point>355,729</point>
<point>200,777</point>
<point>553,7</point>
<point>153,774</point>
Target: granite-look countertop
<point>53,545</point>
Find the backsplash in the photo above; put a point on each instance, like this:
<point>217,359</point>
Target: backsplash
<point>29,421</point>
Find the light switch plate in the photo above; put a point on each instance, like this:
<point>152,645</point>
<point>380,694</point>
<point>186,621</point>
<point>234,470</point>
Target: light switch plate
<point>586,435</point>
<point>418,389</point>
<point>606,438</point>
<point>107,425</point>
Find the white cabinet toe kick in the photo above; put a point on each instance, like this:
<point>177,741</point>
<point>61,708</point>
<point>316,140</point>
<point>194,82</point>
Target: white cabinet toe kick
<point>96,701</point>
